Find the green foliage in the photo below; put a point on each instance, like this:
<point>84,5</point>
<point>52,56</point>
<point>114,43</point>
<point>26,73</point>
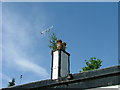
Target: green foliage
<point>52,41</point>
<point>92,64</point>
<point>12,83</point>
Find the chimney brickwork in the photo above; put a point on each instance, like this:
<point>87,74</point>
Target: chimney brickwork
<point>60,61</point>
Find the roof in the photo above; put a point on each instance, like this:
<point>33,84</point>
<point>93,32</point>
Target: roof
<point>90,79</point>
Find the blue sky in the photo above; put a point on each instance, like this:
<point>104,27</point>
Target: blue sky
<point>89,29</point>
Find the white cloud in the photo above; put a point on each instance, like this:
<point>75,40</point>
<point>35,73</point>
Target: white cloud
<point>15,57</point>
<point>5,77</point>
<point>17,36</point>
<point>30,66</point>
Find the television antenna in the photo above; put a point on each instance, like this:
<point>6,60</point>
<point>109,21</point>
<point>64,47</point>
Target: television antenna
<point>20,78</point>
<point>46,30</point>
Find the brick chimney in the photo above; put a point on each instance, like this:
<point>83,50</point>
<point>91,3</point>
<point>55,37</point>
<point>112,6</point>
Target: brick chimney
<point>60,61</point>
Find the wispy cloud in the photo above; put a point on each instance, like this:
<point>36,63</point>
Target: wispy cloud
<point>17,36</point>
<point>30,66</point>
<point>5,77</point>
<point>22,62</point>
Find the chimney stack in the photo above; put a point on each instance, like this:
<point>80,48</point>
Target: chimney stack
<point>60,61</point>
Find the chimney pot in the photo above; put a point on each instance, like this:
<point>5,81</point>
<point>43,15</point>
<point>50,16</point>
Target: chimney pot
<point>59,44</point>
<point>59,41</point>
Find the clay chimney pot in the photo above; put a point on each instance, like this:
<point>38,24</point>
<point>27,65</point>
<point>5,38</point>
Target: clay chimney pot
<point>63,43</point>
<point>60,41</point>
